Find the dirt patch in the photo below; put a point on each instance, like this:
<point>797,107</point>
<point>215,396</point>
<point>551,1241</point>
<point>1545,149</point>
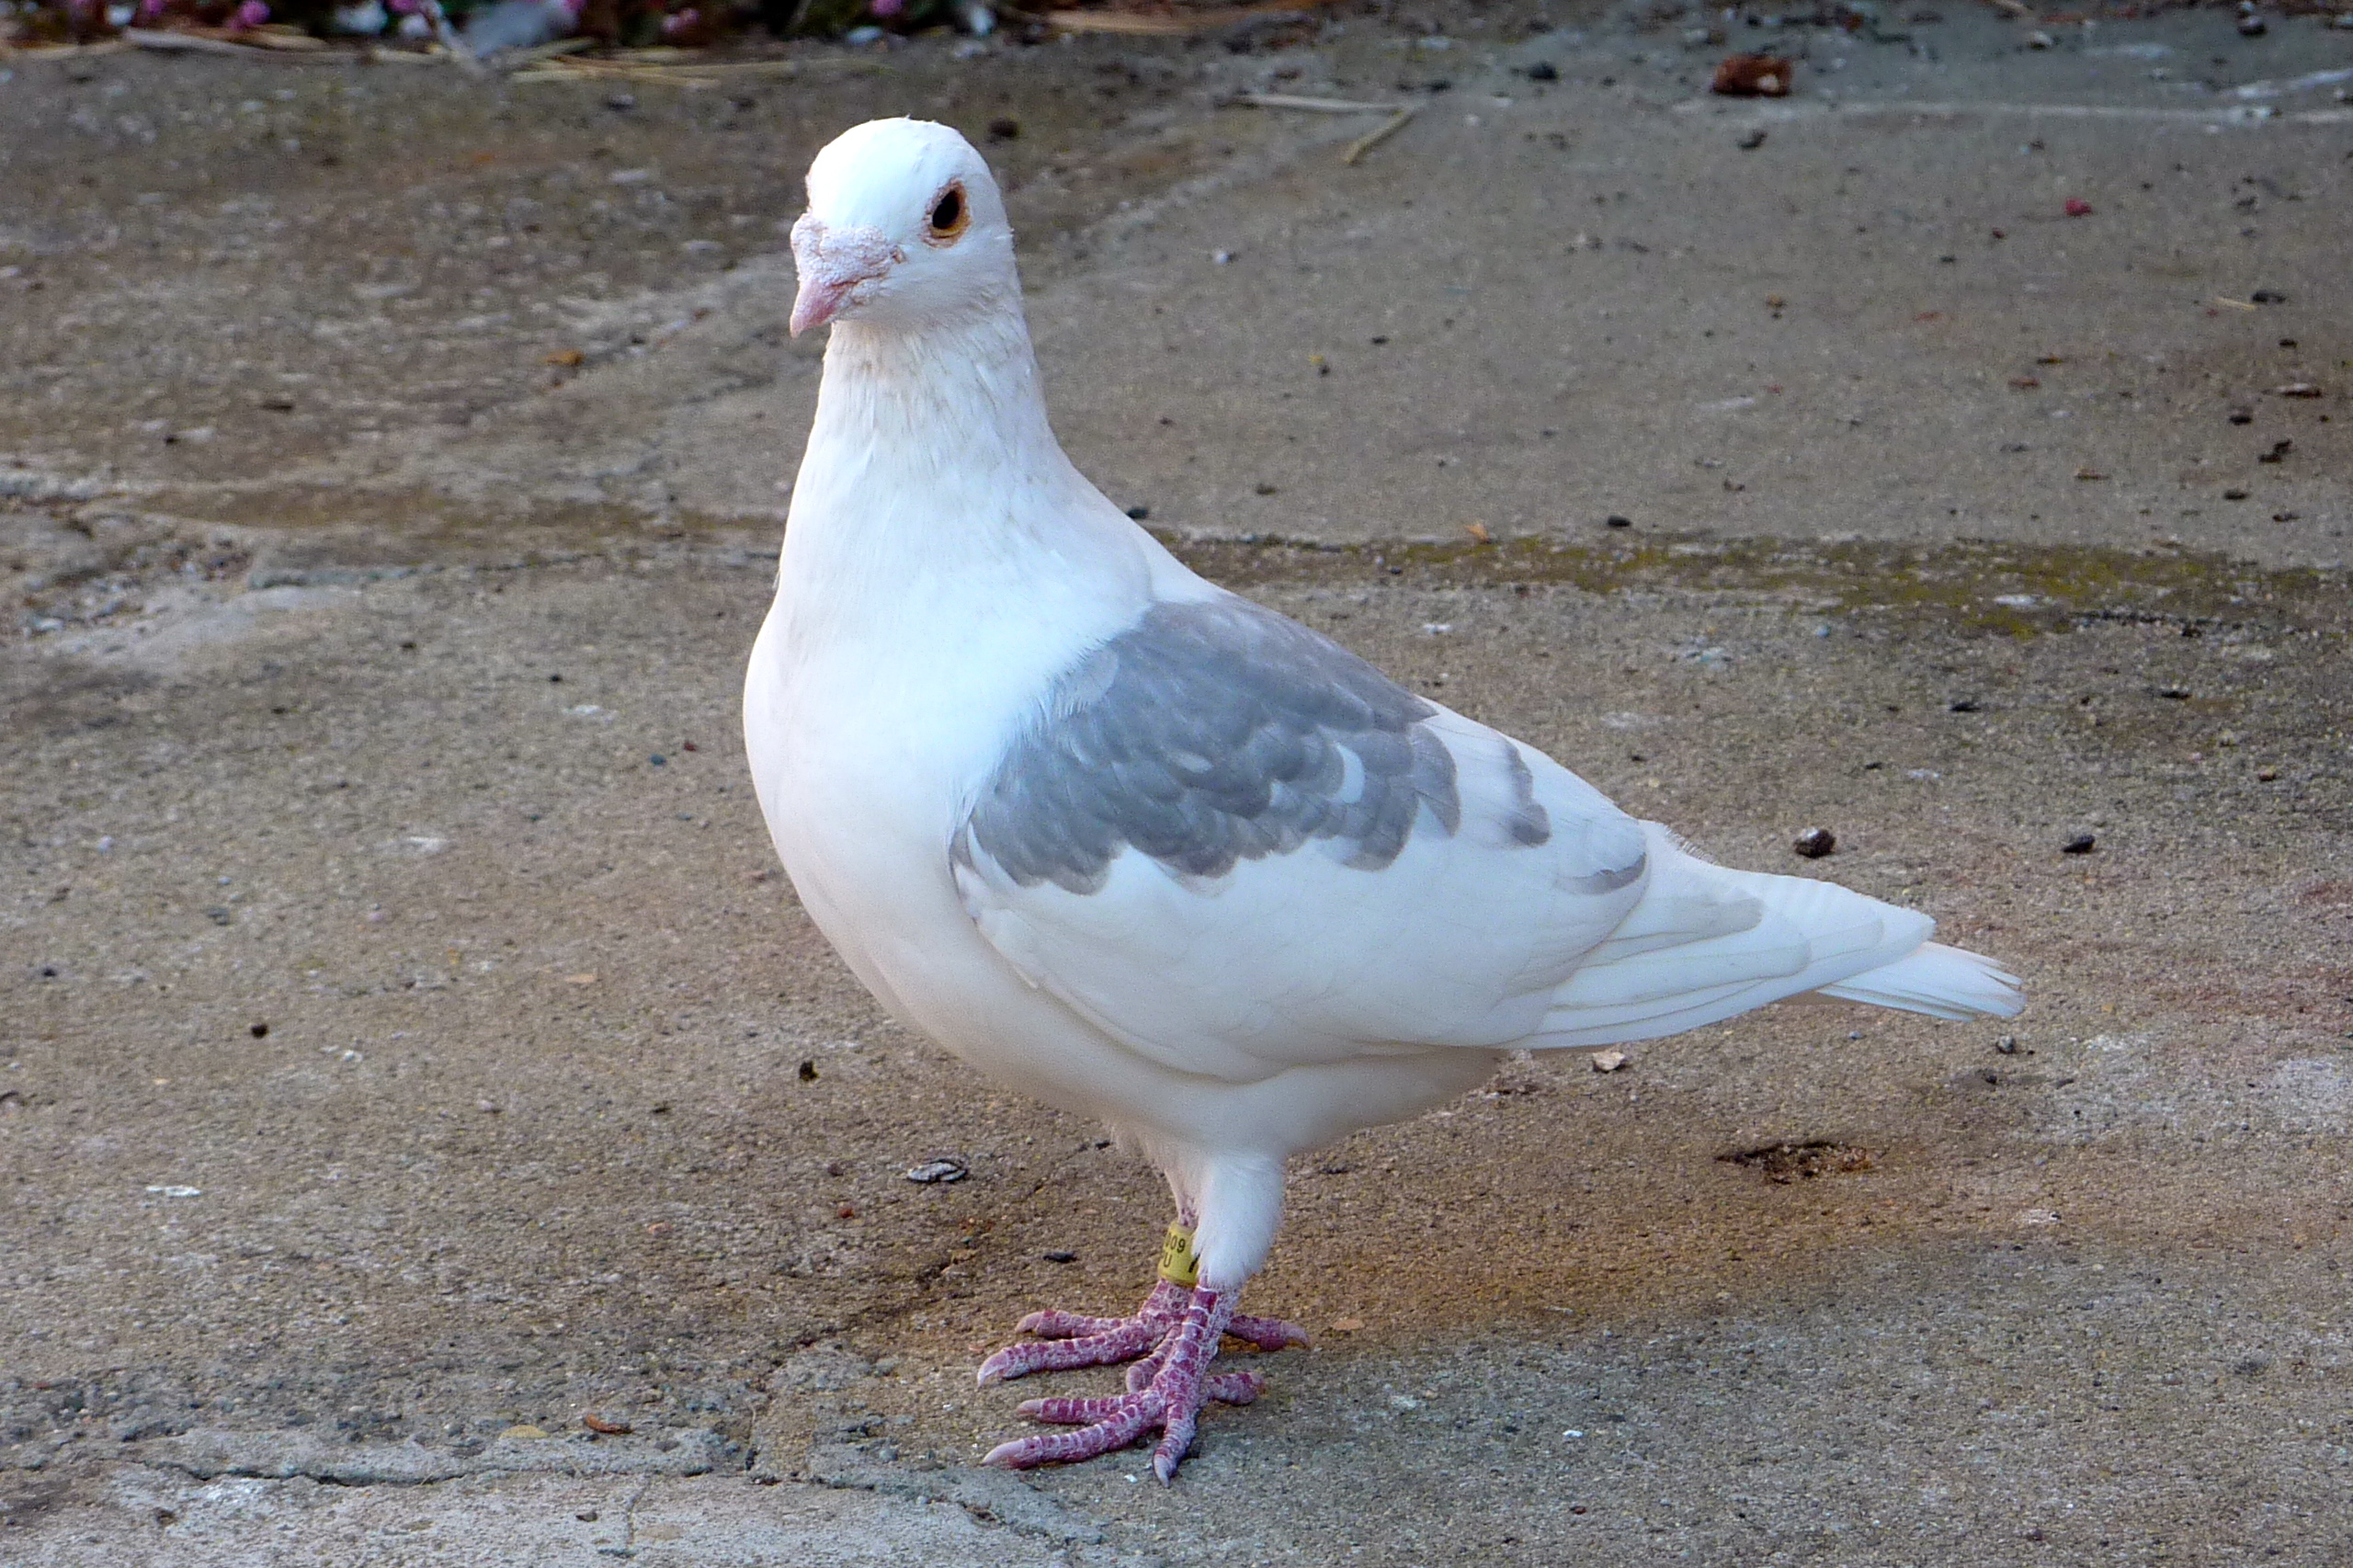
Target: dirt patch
<point>1785,1162</point>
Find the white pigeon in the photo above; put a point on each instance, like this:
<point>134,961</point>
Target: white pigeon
<point>1147,851</point>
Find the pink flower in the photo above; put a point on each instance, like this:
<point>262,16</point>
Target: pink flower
<point>252,13</point>
<point>884,10</point>
<point>2078,207</point>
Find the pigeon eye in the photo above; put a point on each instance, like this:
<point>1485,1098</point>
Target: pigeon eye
<point>948,216</point>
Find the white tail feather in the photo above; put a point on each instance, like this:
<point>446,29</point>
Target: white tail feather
<point>1706,943</point>
<point>1944,983</point>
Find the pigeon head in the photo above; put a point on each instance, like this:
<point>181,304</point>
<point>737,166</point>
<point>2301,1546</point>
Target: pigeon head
<point>904,229</point>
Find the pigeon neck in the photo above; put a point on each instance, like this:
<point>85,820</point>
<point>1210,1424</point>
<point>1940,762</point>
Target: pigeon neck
<point>963,392</point>
<point>931,458</point>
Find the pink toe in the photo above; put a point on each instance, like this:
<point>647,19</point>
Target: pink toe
<point>1122,1428</point>
<point>1233,1388</point>
<point>1073,1412</point>
<point>1266,1333</point>
<point>1125,1342</point>
<point>1053,1324</point>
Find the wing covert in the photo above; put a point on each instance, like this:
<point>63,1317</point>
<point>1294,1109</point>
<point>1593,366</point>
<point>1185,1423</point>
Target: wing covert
<point>1236,846</point>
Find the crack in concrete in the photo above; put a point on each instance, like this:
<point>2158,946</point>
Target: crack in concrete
<point>627,1544</point>
<point>208,1453</point>
<point>991,1496</point>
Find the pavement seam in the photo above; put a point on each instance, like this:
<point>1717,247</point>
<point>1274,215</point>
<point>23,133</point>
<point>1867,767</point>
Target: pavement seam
<point>628,1547</point>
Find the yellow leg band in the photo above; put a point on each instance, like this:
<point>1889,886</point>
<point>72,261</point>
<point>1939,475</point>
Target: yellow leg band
<point>1178,1264</point>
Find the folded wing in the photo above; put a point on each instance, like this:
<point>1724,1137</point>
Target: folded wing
<point>1236,847</point>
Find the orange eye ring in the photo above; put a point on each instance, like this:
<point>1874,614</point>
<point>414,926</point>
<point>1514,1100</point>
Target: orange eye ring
<point>951,213</point>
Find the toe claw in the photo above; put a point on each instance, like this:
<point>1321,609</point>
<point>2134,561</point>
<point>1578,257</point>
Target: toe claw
<point>1171,1453</point>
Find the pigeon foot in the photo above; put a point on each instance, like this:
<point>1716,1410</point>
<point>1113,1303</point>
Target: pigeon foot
<point>1178,1332</point>
<point>1070,1340</point>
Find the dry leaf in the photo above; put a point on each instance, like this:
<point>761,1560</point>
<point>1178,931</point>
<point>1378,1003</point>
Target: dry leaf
<point>1752,76</point>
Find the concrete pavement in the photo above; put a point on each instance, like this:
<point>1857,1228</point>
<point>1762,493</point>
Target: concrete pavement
<point>411,1050</point>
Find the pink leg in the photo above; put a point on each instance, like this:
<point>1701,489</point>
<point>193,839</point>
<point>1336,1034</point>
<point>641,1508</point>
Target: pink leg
<point>1170,1399</point>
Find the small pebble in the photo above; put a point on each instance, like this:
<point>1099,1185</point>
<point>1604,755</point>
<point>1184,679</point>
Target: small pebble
<point>1543,71</point>
<point>2082,844</point>
<point>1061,1257</point>
<point>2253,26</point>
<point>1619,522</point>
<point>1815,842</point>
<point>931,1173</point>
<point>2007,1045</point>
<point>1139,514</point>
<point>1004,128</point>
<point>1751,140</point>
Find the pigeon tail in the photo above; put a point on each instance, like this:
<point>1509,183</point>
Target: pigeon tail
<point>1944,983</point>
<point>1707,943</point>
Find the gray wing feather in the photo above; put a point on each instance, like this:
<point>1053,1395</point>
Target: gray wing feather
<point>1216,732</point>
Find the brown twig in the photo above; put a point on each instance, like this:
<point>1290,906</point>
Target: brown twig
<point>1367,143</point>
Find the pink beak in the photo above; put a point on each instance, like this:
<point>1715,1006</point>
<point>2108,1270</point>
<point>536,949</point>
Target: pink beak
<point>832,263</point>
<point>819,301</point>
